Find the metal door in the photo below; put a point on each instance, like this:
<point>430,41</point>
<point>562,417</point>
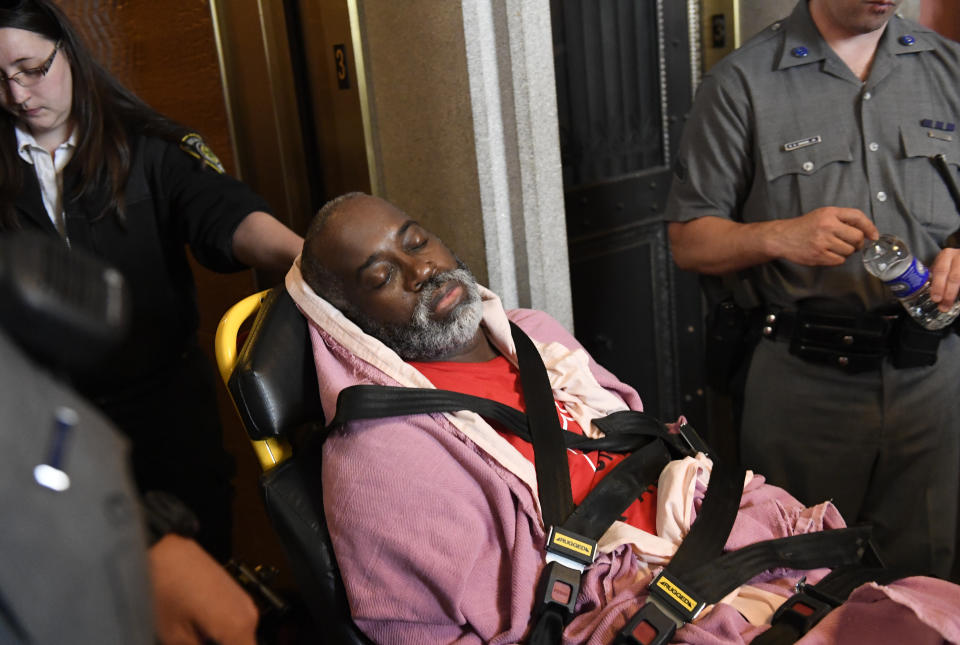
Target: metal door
<point>625,72</point>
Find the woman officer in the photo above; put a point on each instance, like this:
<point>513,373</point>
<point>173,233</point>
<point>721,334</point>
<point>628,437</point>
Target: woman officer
<point>83,158</point>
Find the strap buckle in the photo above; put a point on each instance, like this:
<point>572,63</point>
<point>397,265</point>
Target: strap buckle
<point>571,549</point>
<point>802,611</point>
<point>693,440</point>
<point>675,598</point>
<point>568,554</point>
<point>669,606</point>
<point>649,626</point>
<point>559,587</point>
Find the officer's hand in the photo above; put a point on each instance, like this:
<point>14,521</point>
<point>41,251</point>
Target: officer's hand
<point>945,278</point>
<point>824,237</point>
<point>195,600</point>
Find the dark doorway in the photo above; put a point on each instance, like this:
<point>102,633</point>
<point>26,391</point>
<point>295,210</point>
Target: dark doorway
<point>624,85</point>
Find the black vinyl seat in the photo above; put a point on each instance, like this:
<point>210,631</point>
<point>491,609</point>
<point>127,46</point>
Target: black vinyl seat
<point>273,384</point>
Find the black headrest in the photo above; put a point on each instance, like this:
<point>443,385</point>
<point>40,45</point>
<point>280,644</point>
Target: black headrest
<point>274,383</point>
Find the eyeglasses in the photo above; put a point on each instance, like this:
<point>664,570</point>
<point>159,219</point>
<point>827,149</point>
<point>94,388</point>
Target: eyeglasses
<point>32,76</point>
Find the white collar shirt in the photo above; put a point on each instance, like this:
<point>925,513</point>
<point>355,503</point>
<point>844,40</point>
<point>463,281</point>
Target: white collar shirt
<point>49,169</point>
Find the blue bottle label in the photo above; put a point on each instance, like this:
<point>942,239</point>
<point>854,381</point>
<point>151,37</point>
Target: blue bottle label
<point>910,281</point>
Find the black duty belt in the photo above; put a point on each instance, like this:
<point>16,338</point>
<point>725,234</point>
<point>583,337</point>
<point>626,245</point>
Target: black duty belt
<point>854,343</point>
<point>698,574</point>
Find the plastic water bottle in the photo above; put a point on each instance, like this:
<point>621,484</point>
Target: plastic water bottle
<point>908,278</point>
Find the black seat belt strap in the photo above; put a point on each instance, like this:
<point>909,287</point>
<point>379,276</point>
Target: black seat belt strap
<point>549,450</point>
<point>811,603</point>
<point>633,431</point>
<point>718,511</point>
<point>667,606</point>
<point>672,602</point>
<point>570,547</point>
<point>577,538</point>
<point>379,401</point>
<point>831,548</point>
<point>697,575</point>
<point>594,514</point>
<point>359,402</point>
<point>567,554</point>
<point>607,501</point>
<point>685,442</point>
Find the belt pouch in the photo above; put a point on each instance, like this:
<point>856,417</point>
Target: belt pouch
<point>852,343</point>
<point>915,345</point>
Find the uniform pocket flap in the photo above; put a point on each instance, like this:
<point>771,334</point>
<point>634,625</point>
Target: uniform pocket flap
<point>804,155</point>
<point>919,141</point>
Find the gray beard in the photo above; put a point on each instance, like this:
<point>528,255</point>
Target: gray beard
<point>423,338</point>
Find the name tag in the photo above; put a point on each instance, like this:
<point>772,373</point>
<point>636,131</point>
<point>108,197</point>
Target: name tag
<point>802,143</point>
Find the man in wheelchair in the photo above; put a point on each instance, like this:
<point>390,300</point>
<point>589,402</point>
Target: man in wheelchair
<point>449,525</point>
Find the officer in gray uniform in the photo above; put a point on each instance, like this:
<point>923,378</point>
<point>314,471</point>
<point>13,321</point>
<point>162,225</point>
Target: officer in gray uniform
<point>74,560</point>
<point>822,131</point>
<point>73,547</point>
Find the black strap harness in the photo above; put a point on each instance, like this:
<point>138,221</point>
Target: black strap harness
<point>699,573</point>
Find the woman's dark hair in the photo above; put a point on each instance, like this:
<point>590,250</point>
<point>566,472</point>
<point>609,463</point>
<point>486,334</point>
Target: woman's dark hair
<point>103,113</point>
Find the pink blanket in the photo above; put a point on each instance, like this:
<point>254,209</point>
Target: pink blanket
<point>437,530</point>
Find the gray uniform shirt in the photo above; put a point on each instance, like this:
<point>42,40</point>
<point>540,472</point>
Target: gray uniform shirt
<point>73,566</point>
<point>782,126</point>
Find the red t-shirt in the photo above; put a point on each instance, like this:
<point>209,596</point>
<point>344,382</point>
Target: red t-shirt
<point>498,380</point>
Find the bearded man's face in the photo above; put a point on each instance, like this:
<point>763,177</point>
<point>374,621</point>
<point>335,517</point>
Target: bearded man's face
<point>397,280</point>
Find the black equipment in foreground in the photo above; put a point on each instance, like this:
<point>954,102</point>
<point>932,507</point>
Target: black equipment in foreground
<point>63,306</point>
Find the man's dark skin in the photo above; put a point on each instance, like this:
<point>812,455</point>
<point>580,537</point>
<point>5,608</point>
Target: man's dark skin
<point>383,258</point>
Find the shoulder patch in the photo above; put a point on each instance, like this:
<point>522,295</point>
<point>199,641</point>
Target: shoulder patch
<point>194,145</point>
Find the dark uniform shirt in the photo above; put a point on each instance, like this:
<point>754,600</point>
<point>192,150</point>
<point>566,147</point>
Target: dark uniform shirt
<point>172,200</point>
<point>159,388</point>
<point>782,127</point>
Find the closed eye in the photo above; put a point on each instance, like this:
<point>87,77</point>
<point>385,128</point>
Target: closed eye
<point>32,74</point>
<point>417,239</point>
<point>384,279</point>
